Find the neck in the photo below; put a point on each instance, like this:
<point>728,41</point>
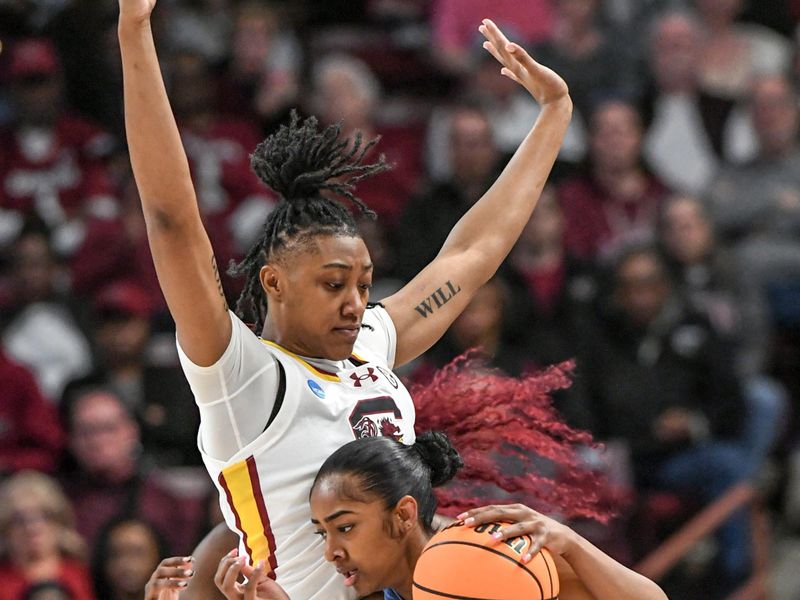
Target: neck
<point>405,570</point>
<point>41,568</point>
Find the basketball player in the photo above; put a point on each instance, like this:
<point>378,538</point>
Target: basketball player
<point>372,503</point>
<point>273,408</point>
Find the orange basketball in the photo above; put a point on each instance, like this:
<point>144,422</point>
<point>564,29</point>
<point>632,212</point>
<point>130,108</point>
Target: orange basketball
<point>467,563</point>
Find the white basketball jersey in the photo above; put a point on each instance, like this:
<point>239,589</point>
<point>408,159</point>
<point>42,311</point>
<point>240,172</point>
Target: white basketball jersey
<point>264,488</point>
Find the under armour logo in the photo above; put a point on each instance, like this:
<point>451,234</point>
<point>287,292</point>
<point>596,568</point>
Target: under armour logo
<point>357,379</point>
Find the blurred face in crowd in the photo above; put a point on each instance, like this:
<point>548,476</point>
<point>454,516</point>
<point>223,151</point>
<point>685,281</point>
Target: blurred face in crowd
<point>121,338</point>
<point>616,137</point>
<point>642,288</point>
<point>482,319</point>
<point>34,268</point>
<point>30,528</point>
<point>472,146</point>
<point>54,592</point>
<point>686,231</point>
<point>774,110</point>
<point>37,99</point>
<point>719,12</point>
<point>192,86</point>
<point>255,29</point>
<point>132,557</point>
<point>342,96</point>
<point>675,53</point>
<point>488,82</point>
<point>545,229</point>
<point>104,437</point>
<point>578,13</point>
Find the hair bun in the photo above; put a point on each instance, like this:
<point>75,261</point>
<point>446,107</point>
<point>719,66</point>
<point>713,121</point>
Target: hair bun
<point>439,455</point>
<point>300,160</point>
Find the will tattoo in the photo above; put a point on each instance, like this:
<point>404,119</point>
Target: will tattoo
<point>437,299</point>
<point>219,283</point>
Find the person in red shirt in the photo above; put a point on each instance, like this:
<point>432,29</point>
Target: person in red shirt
<point>616,200</point>
<point>39,540</point>
<point>30,433</point>
<point>53,162</point>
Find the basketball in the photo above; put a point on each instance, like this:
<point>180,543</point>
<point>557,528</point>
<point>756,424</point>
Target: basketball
<point>467,563</point>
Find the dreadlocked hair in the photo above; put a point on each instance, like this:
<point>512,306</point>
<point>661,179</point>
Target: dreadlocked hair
<point>300,162</point>
<point>514,444</point>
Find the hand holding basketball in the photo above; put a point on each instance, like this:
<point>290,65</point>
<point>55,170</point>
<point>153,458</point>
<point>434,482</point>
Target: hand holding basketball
<point>544,84</point>
<point>170,577</point>
<point>543,530</point>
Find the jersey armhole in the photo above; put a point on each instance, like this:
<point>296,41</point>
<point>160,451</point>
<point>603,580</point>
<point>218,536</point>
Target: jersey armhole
<point>280,394</point>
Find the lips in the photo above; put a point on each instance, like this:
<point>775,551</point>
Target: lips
<point>348,331</point>
<point>349,576</point>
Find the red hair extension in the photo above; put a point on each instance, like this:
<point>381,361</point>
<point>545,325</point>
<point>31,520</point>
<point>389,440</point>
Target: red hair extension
<point>515,446</point>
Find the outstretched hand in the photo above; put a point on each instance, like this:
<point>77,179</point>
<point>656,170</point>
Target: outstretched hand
<point>543,530</point>
<point>544,84</point>
<point>137,11</point>
<point>258,587</point>
<point>170,577</point>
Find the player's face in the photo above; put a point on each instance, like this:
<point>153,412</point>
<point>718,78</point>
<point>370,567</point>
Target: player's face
<point>322,296</point>
<point>359,537</point>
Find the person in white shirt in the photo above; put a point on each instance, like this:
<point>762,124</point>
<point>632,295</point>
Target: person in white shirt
<point>273,408</point>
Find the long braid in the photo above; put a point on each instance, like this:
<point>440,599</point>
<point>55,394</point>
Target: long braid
<point>299,162</point>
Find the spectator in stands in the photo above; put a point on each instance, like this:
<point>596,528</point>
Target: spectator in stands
<point>592,60</point>
<point>232,200</point>
<point>734,53</point>
<point>455,26</point>
<point>30,432</point>
<point>756,206</point>
<point>429,217</point>
<point>52,165</point>
<point>159,396</point>
<point>616,199</point>
<point>686,127</point>
<point>261,82</point>
<point>127,551</point>
<point>660,379</point>
<point>346,90</point>
<point>714,282</point>
<point>42,325</point>
<point>551,294</point>
<point>39,541</point>
<point>109,480</point>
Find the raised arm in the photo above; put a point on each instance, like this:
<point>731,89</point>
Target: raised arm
<point>424,309</point>
<point>184,260</point>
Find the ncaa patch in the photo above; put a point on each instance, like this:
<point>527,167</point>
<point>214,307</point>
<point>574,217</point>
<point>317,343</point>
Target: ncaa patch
<point>316,388</point>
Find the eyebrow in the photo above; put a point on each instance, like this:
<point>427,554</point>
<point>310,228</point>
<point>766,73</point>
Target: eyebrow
<point>334,516</point>
<point>345,267</point>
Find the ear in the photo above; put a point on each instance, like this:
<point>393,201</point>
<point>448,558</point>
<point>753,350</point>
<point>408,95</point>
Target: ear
<point>270,277</point>
<point>406,514</point>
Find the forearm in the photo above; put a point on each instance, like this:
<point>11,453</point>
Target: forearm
<point>159,162</point>
<point>494,223</point>
<point>606,579</point>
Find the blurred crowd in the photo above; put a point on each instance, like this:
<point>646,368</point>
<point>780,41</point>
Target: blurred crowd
<point>664,255</point>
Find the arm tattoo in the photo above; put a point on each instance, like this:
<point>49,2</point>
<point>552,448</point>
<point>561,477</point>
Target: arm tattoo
<point>219,283</point>
<point>437,299</point>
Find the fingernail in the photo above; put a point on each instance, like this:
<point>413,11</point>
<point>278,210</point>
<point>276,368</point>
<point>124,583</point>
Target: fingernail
<point>469,521</point>
<point>243,559</point>
<point>233,552</point>
<point>188,573</point>
<point>182,584</point>
<point>526,558</point>
<point>497,535</point>
<point>188,559</point>
<point>462,516</point>
<point>260,565</point>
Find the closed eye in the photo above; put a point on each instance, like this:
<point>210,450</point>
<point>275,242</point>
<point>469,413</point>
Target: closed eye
<point>335,285</point>
<point>345,528</point>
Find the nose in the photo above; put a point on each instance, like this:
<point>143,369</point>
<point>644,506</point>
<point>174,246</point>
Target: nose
<point>333,551</point>
<point>355,303</point>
